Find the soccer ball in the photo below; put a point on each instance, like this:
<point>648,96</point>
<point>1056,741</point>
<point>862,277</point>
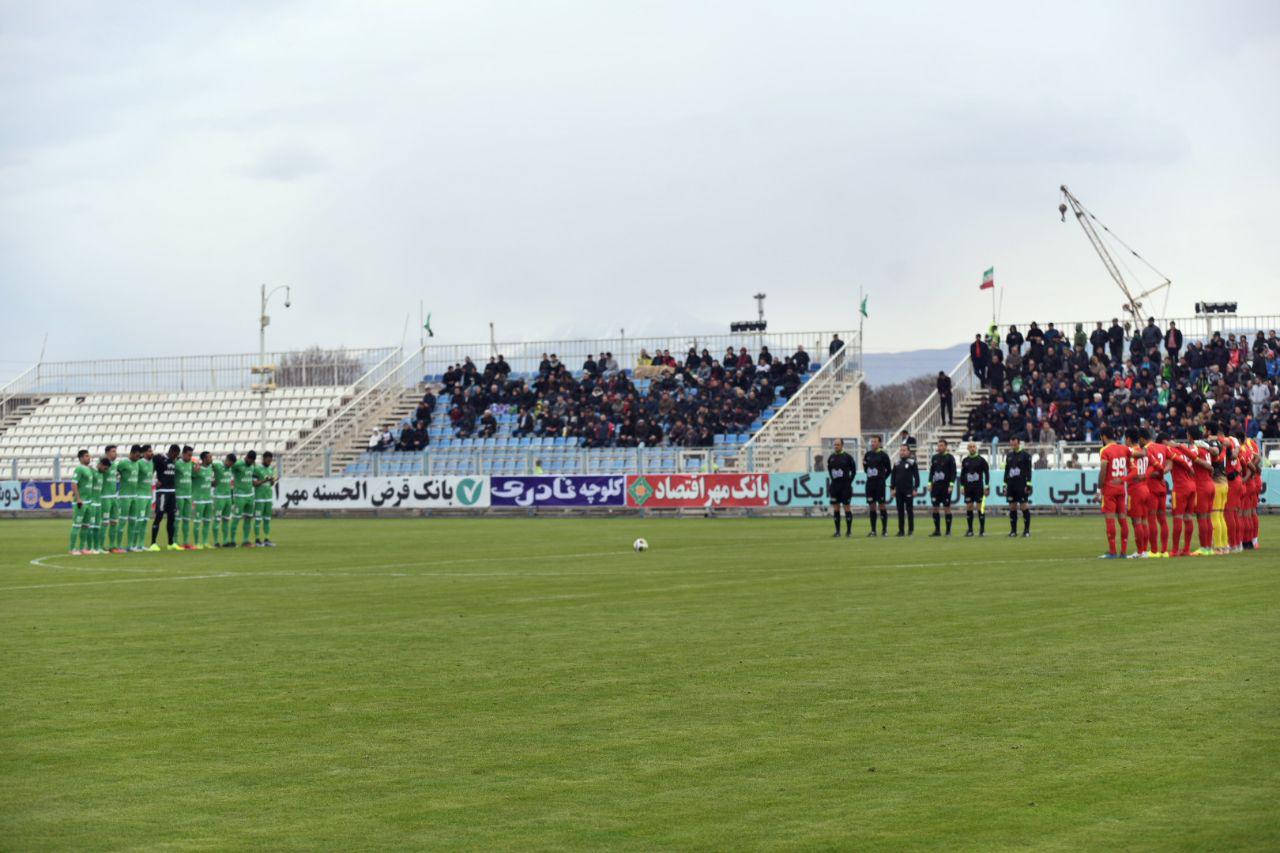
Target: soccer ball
<point>640,545</point>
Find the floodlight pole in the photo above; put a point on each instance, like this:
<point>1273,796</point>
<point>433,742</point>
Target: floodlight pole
<point>263,370</point>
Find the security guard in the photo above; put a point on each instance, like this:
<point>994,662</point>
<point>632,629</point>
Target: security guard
<point>903,484</point>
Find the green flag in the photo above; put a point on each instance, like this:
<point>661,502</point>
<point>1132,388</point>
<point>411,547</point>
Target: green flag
<point>427,326</point>
<point>862,309</point>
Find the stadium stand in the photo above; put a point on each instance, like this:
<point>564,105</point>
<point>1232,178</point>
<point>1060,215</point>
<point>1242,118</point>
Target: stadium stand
<point>1056,389</point>
<point>226,420</point>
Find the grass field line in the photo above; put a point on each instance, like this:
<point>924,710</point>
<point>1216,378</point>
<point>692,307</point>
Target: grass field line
<point>361,574</point>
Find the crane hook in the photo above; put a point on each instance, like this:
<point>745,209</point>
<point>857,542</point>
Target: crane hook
<point>1062,209</point>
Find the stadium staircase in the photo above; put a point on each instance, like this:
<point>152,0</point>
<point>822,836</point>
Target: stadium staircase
<point>804,419</point>
<point>925,423</point>
<point>391,413</point>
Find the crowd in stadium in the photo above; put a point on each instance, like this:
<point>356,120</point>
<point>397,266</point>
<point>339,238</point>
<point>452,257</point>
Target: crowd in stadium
<point>1047,385</point>
<point>661,401</point>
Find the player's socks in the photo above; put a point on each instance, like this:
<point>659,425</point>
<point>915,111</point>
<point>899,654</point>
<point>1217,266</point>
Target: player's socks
<point>1111,535</point>
<point>836,517</point>
<point>1026,521</point>
<point>871,516</point>
<point>848,524</point>
<point>884,521</point>
<point>982,523</point>
<point>1177,535</point>
<point>948,524</point>
<point>937,523</point>
<point>1013,522</point>
<point>1124,535</point>
<point>968,519</point>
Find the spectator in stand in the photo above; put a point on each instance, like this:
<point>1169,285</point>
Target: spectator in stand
<point>835,346</point>
<point>1173,342</point>
<point>644,360</point>
<point>1098,339</point>
<point>589,366</point>
<point>1081,338</point>
<point>801,360</point>
<point>1051,336</point>
<point>1115,341</point>
<point>1035,335</point>
<point>944,398</point>
<point>980,356</point>
<point>995,374</point>
<point>375,440</point>
<point>525,424</point>
<point>1151,336</point>
<point>609,366</point>
<point>1074,462</point>
<point>1013,341</point>
<point>766,358</point>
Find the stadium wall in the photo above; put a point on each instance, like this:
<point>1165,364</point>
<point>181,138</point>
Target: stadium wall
<point>1064,490</point>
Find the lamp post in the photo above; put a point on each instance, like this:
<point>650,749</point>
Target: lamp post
<point>265,371</point>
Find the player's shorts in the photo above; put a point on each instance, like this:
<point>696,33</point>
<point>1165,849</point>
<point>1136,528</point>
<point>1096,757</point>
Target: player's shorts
<point>940,494</point>
<point>840,492</point>
<point>1113,498</point>
<point>1139,500</point>
<point>222,506</point>
<point>875,491</point>
<point>973,494</point>
<point>1235,494</point>
<point>243,504</point>
<point>1157,499</point>
<point>1184,501</point>
<point>262,506</point>
<point>1204,498</point>
<point>141,506</point>
<point>1015,492</point>
<point>203,508</point>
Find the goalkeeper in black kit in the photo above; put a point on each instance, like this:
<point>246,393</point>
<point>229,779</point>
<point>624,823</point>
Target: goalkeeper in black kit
<point>942,479</point>
<point>975,483</point>
<point>840,471</point>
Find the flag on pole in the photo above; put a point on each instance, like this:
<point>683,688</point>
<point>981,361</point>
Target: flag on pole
<point>988,279</point>
<point>427,326</point>
<point>862,309</point>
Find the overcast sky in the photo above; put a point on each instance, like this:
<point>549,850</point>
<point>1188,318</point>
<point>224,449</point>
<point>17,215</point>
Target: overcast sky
<point>570,168</point>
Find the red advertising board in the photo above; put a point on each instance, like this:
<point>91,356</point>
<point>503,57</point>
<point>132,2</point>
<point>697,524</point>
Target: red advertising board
<point>679,491</point>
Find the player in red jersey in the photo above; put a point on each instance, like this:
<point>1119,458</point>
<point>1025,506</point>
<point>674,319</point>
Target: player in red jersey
<point>1157,466</point>
<point>1113,472</point>
<point>1202,461</point>
<point>1184,497</point>
<point>1251,471</point>
<point>1139,494</point>
<point>1235,489</point>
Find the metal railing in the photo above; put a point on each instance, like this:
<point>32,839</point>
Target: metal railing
<point>926,420</point>
<point>1192,328</point>
<point>384,382</point>
<point>234,372</point>
<point>777,436</point>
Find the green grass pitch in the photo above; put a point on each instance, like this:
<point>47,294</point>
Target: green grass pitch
<point>534,684</point>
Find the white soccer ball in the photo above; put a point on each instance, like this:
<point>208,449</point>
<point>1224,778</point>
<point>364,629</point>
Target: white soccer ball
<point>640,545</point>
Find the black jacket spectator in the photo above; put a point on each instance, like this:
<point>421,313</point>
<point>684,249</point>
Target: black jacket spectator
<point>835,346</point>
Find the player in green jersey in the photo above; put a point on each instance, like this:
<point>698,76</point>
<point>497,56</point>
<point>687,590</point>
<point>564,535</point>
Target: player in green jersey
<point>202,498</point>
<point>144,474</point>
<point>110,486</point>
<point>222,501</point>
<point>264,480</point>
<point>182,492</point>
<point>127,472</point>
<point>242,496</point>
<point>99,511</point>
<point>82,486</point>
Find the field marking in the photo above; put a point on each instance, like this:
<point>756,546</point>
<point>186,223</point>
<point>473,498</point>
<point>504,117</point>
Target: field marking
<point>363,574</point>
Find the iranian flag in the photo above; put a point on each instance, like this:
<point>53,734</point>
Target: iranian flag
<point>988,279</point>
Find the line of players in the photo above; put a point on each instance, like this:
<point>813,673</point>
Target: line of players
<point>970,481</point>
<point>1217,486</point>
<point>114,498</point>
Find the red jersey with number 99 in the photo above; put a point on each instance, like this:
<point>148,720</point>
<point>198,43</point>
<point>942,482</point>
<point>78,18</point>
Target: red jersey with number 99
<point>1115,467</point>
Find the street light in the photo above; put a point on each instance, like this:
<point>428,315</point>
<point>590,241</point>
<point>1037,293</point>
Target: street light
<point>265,371</point>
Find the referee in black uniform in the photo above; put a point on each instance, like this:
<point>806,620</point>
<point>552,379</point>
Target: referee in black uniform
<point>904,481</point>
<point>877,464</point>
<point>840,471</point>
<point>942,477</point>
<point>1017,487</point>
<point>975,480</point>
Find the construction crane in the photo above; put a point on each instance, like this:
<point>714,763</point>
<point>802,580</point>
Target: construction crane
<point>1133,302</point>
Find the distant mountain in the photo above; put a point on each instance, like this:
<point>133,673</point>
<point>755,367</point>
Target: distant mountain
<point>886,368</point>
